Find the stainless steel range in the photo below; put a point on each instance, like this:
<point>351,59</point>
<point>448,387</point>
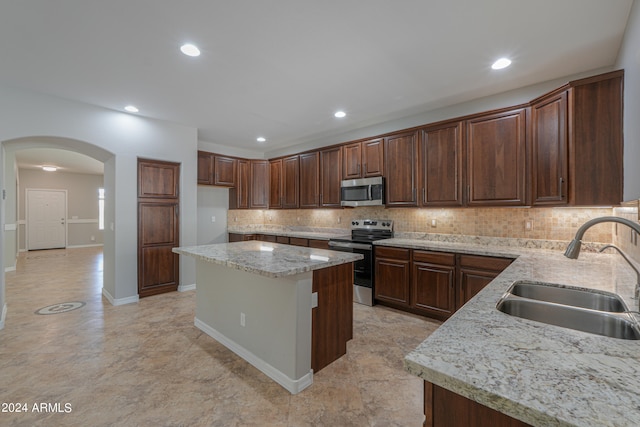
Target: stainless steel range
<point>363,233</point>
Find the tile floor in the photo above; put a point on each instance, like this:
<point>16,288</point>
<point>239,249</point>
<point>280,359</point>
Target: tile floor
<point>145,364</point>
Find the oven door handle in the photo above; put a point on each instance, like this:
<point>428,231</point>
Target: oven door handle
<point>348,245</point>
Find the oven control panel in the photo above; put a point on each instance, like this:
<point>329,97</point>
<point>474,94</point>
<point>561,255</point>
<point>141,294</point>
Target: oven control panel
<point>372,224</point>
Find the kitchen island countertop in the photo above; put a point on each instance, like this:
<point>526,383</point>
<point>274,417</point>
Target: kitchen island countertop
<point>268,259</point>
<point>541,374</point>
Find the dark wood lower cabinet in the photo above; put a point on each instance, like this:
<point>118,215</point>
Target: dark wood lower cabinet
<point>475,272</point>
<point>433,283</point>
<point>424,282</point>
<point>443,408</point>
<point>392,273</point>
<point>332,319</point>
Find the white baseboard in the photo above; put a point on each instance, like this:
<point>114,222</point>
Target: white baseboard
<point>3,316</point>
<point>84,246</point>
<point>291,385</point>
<point>185,288</point>
<point>119,301</point>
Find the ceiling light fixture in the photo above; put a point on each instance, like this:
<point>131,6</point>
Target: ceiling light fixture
<point>131,109</point>
<point>340,114</point>
<point>501,63</point>
<point>49,168</point>
<point>261,139</point>
<point>190,50</point>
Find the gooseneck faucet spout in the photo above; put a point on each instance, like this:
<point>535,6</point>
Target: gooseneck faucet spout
<point>573,250</point>
<point>636,293</point>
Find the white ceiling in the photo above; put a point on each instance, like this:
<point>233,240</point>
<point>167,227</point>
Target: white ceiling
<point>281,68</point>
<point>64,160</point>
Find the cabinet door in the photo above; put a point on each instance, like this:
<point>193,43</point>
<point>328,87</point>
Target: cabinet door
<point>205,168</point>
<point>471,282</point>
<point>549,150</point>
<point>225,171</point>
<point>441,165</point>
<point>352,158</point>
<point>392,281</point>
<point>596,140</point>
<point>309,180</point>
<point>158,226</point>
<point>330,177</point>
<point>275,184</point>
<point>290,181</point>
<point>373,158</point>
<point>401,167</point>
<point>392,272</point>
<point>496,164</point>
<point>433,283</point>
<point>242,190</point>
<point>259,184</point>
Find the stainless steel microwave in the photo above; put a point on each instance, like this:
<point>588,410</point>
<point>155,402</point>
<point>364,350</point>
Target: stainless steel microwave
<point>362,192</point>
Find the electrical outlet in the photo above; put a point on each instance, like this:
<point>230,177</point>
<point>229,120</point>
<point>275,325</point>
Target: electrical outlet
<point>434,223</point>
<point>213,218</point>
<point>242,319</point>
<point>528,225</point>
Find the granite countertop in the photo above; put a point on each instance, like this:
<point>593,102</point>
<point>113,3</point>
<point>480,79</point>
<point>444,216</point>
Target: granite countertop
<point>541,374</point>
<point>317,234</point>
<point>268,259</point>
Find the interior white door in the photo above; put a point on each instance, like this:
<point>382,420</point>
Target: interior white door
<point>46,219</point>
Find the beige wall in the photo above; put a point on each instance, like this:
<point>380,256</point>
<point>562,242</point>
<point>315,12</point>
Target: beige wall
<point>548,223</point>
<point>82,202</point>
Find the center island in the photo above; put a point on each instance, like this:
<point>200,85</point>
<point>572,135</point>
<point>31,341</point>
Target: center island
<point>287,310</point>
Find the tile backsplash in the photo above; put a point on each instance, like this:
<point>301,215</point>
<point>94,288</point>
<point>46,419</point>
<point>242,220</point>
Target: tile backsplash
<point>623,236</point>
<point>545,223</point>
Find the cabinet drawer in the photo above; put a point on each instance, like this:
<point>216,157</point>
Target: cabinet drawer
<point>485,262</point>
<point>395,253</point>
<point>441,258</point>
<point>268,238</point>
<point>296,241</point>
<point>319,244</point>
<point>282,239</point>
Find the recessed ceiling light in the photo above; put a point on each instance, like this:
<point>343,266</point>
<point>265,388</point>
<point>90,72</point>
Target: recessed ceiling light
<point>261,139</point>
<point>49,168</point>
<point>501,63</point>
<point>190,50</point>
<point>131,109</point>
<point>340,114</point>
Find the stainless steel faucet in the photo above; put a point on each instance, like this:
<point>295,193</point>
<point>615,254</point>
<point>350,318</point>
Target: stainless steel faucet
<point>573,250</point>
<point>636,293</point>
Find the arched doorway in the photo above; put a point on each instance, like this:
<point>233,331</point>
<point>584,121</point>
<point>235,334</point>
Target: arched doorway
<point>9,234</point>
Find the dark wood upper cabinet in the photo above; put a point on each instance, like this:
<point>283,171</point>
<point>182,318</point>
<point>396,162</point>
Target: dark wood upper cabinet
<point>205,168</point>
<point>549,156</point>
<point>496,159</point>
<point>363,159</point>
<point>290,182</point>
<point>259,179</point>
<point>240,194</point>
<point>224,171</point>
<point>158,179</point>
<point>352,165</point>
<point>309,180</point>
<point>275,184</point>
<point>440,165</point>
<point>400,156</point>
<point>595,140</point>
<point>330,177</point>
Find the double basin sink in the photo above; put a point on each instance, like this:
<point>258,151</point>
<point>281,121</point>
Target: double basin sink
<point>592,311</point>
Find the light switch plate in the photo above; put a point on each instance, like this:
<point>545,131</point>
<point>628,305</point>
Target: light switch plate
<point>314,300</point>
